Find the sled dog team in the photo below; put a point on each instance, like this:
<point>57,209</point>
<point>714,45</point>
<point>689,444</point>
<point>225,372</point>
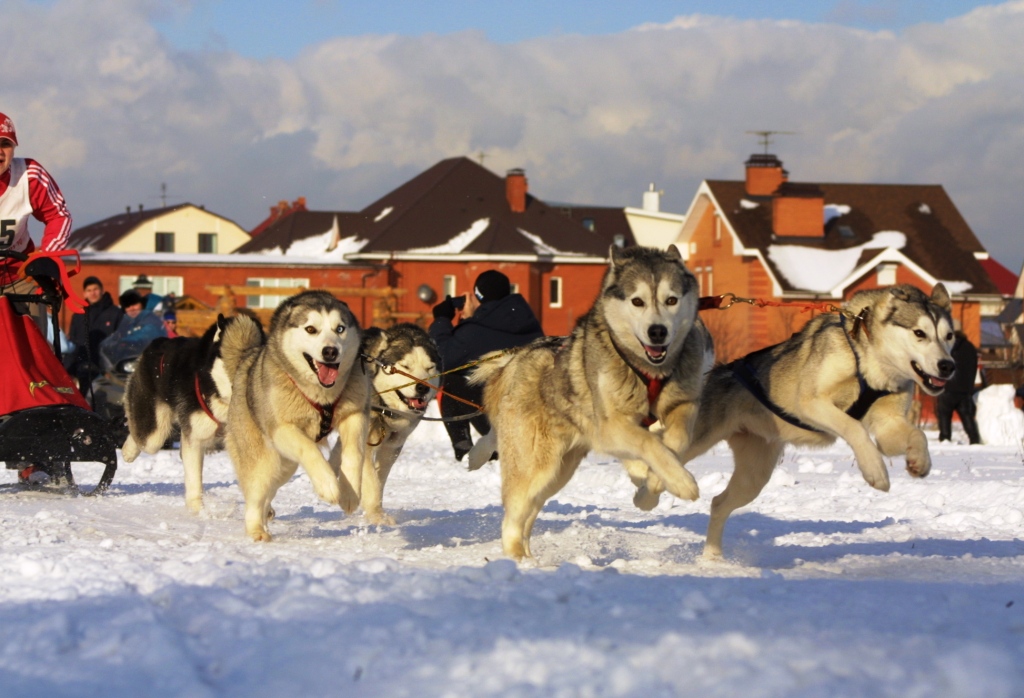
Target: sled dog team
<point>635,379</point>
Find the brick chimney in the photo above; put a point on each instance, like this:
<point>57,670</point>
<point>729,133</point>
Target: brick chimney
<point>515,190</point>
<point>798,210</point>
<point>764,174</point>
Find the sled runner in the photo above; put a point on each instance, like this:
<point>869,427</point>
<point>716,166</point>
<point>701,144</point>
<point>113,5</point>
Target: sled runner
<point>45,423</point>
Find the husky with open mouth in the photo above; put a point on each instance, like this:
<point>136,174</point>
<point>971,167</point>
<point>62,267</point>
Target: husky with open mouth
<point>850,376</point>
<point>637,358</point>
<point>405,364</point>
<point>287,395</point>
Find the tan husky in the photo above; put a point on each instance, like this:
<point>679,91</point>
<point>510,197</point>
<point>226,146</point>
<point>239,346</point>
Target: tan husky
<point>638,356</point>
<point>849,376</point>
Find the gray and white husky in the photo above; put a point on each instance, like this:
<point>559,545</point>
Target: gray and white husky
<point>849,376</point>
<point>398,405</point>
<point>638,356</point>
<point>287,395</point>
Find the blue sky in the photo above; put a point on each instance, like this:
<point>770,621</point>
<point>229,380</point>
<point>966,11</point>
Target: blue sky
<point>283,29</point>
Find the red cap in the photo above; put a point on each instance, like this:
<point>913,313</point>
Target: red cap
<point>7,128</point>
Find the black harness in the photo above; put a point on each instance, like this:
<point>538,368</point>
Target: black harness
<point>747,377</point>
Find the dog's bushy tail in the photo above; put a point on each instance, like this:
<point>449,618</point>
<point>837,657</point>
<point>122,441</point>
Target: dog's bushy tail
<point>490,365</point>
<point>239,336</point>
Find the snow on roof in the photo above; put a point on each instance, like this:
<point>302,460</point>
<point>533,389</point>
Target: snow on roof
<point>836,210</point>
<point>541,247</point>
<point>957,288</point>
<point>460,242</point>
<point>747,203</point>
<point>384,213</point>
<point>813,269</point>
<point>319,246</point>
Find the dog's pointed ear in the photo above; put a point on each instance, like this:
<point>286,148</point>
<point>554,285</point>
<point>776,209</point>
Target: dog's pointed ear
<point>375,341</point>
<point>615,255</point>
<point>675,254</point>
<point>222,321</point>
<point>940,297</point>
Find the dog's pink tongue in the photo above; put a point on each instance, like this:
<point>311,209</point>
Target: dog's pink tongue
<point>938,382</point>
<point>327,374</point>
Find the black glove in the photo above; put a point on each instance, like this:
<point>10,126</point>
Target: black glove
<point>444,309</point>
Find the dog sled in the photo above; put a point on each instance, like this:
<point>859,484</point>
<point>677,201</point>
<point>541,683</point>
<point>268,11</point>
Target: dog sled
<point>45,422</point>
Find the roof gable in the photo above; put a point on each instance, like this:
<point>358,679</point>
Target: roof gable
<point>437,209</point>
<point>104,234</point>
<point>935,237</point>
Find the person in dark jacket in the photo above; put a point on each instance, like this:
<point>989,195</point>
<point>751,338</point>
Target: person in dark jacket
<point>89,329</point>
<point>958,395</point>
<point>493,318</point>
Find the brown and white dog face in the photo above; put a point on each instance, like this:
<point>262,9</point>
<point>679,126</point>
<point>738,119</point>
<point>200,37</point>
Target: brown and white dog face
<point>319,338</point>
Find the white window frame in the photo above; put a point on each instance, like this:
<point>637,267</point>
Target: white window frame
<point>449,286</point>
<point>555,283</point>
<point>162,285</point>
<point>271,282</point>
<point>213,236</point>
<point>887,274</point>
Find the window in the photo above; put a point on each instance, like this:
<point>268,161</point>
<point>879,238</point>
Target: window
<point>207,243</point>
<point>274,300</point>
<point>162,285</point>
<point>886,274</point>
<point>165,242</point>
<point>589,224</point>
<point>718,229</point>
<point>555,290</point>
<point>448,287</point>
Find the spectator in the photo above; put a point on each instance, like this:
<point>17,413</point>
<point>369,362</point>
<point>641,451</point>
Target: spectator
<point>493,318</point>
<point>137,328</point>
<point>958,395</point>
<point>27,189</point>
<point>90,328</point>
<point>1018,397</point>
<point>171,324</point>
<point>143,285</point>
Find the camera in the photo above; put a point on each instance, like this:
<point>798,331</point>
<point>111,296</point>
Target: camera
<point>459,302</point>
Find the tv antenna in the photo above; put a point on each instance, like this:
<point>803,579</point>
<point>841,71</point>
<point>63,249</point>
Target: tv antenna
<point>765,137</point>
<point>481,155</point>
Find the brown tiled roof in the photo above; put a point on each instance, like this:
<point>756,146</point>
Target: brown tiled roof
<point>304,224</point>
<point>447,199</point>
<point>105,233</point>
<point>938,238</point>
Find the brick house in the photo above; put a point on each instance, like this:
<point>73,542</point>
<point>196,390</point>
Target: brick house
<point>768,238</point>
<point>435,233</point>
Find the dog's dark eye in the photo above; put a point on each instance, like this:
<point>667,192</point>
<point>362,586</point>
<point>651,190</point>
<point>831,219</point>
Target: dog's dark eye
<point>310,329</point>
<point>920,334</point>
<point>949,337</point>
<point>638,302</point>
<point>671,300</point>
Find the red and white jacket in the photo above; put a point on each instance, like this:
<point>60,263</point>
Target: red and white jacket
<point>26,188</point>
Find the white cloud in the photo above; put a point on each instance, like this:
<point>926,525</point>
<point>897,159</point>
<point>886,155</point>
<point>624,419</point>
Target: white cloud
<point>105,103</point>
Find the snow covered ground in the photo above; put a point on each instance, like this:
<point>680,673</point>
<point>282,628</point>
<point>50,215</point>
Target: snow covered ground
<point>829,588</point>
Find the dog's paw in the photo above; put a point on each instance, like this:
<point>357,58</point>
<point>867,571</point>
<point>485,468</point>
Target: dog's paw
<point>379,518</point>
<point>348,500</point>
<point>194,505</point>
<point>646,500</point>
<point>874,472</point>
<point>919,461</point>
<point>260,535</point>
<point>684,486</point>
<point>329,490</point>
